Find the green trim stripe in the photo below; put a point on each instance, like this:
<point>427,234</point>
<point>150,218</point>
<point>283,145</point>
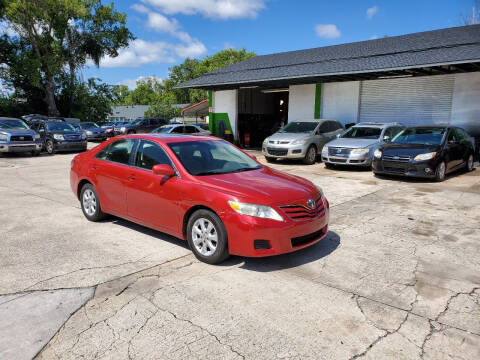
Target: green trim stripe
<point>210,114</point>
<point>318,101</point>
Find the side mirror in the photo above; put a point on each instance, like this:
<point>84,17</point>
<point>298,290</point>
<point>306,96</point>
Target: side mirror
<point>338,136</point>
<point>163,170</point>
<point>386,138</point>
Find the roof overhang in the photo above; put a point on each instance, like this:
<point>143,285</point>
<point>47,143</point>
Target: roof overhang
<point>199,109</point>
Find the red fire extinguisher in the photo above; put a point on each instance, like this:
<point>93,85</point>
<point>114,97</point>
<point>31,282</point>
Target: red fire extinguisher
<point>247,139</point>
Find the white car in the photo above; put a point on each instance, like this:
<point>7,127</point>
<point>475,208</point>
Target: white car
<point>181,129</point>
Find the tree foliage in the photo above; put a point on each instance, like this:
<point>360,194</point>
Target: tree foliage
<point>161,94</point>
<point>53,36</point>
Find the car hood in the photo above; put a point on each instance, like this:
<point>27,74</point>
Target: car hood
<point>18,132</point>
<point>411,150</point>
<point>70,133</point>
<point>262,186</point>
<point>353,143</point>
<point>288,136</point>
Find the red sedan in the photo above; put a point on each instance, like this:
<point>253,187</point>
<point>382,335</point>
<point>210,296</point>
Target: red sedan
<point>201,189</point>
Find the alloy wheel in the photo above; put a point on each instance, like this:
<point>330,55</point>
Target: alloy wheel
<point>49,146</point>
<point>441,171</point>
<point>204,236</point>
<point>470,163</point>
<point>89,202</point>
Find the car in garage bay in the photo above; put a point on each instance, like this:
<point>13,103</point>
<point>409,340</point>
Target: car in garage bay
<point>201,189</point>
<point>427,152</point>
<point>300,140</point>
<point>357,144</point>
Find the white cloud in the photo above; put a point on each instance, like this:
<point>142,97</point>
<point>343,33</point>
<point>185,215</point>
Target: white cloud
<point>141,52</point>
<point>215,9</point>
<point>132,83</point>
<point>328,31</point>
<point>372,11</point>
<point>374,37</point>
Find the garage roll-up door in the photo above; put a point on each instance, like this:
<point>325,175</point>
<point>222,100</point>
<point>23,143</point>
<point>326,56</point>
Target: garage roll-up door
<point>410,101</point>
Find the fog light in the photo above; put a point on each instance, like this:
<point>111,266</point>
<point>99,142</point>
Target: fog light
<point>428,170</point>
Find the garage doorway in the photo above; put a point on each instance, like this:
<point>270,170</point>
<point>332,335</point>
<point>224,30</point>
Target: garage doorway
<point>261,112</point>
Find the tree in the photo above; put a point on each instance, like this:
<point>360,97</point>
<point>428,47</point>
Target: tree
<point>474,17</point>
<point>145,93</point>
<point>63,33</point>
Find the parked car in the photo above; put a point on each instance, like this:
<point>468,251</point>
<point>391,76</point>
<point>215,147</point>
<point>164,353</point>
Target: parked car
<point>117,128</point>
<point>60,136</point>
<point>93,131</point>
<point>201,189</point>
<point>181,129</point>
<point>429,152</point>
<point>142,126</point>
<point>300,140</point>
<point>357,144</point>
<point>16,136</point>
<point>109,128</point>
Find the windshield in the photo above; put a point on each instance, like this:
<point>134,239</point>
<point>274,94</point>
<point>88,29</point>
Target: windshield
<point>426,136</point>
<point>212,157</point>
<point>60,127</point>
<point>299,127</point>
<point>362,133</point>
<point>13,124</point>
<point>88,125</point>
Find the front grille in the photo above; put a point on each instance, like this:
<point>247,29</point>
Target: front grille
<point>72,137</point>
<point>21,138</point>
<point>338,151</point>
<point>404,159</point>
<point>341,161</point>
<point>395,170</point>
<point>277,152</point>
<point>301,212</point>
<point>278,142</point>
<point>302,240</point>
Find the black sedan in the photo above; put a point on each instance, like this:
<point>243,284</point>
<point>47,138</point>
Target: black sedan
<point>428,152</point>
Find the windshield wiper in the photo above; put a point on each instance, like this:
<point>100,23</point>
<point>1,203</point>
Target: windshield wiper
<point>244,169</point>
<point>209,173</point>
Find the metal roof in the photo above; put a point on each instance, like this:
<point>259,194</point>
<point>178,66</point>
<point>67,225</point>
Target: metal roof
<point>427,53</point>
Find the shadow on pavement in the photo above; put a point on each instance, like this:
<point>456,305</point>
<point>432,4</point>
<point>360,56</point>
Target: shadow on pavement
<point>301,257</point>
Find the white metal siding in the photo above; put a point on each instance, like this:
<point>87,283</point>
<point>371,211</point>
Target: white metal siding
<point>410,101</point>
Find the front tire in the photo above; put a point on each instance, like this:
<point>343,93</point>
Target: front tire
<point>440,172</point>
<point>270,159</point>
<point>91,204</point>
<point>310,156</point>
<point>469,166</point>
<point>50,147</point>
<point>207,237</point>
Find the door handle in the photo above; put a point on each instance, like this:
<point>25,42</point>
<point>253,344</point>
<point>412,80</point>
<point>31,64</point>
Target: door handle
<point>132,177</point>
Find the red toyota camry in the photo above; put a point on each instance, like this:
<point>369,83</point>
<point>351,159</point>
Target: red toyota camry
<point>203,190</point>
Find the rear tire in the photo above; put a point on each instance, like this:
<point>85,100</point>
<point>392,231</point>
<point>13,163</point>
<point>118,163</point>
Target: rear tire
<point>207,237</point>
<point>91,204</point>
<point>440,172</point>
<point>270,159</point>
<point>311,155</point>
<point>469,166</point>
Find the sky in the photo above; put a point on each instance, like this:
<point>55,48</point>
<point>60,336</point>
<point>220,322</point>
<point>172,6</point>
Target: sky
<point>168,31</point>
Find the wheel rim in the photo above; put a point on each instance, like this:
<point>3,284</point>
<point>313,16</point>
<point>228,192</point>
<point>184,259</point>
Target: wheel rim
<point>49,146</point>
<point>204,236</point>
<point>89,202</point>
<point>470,162</point>
<point>311,154</point>
<point>441,170</point>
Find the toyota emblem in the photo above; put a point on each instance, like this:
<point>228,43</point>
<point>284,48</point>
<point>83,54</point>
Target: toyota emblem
<point>311,203</point>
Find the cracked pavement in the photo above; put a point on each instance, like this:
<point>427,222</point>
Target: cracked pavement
<point>398,277</point>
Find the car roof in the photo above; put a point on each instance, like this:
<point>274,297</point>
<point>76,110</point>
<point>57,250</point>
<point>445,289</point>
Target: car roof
<point>171,138</point>
<point>9,118</point>
<point>377,124</point>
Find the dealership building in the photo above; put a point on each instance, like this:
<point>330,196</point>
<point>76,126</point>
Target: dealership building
<point>417,79</point>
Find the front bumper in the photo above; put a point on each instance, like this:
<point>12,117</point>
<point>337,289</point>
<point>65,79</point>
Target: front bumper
<point>424,169</point>
<point>284,152</point>
<point>8,147</point>
<point>100,137</point>
<point>355,160</point>
<point>244,233</point>
<point>70,145</point>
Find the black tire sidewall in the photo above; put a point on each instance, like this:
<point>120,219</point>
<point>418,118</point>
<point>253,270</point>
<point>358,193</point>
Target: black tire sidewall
<point>221,253</point>
<point>306,160</point>
<point>99,215</point>
<point>468,169</point>
<point>270,159</point>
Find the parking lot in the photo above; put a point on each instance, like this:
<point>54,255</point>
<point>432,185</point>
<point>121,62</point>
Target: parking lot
<point>397,277</point>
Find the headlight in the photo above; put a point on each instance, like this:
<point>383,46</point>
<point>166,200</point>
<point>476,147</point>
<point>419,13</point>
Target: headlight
<point>325,151</point>
<point>265,141</point>
<point>3,137</point>
<point>300,142</point>
<point>123,128</point>
<point>84,137</point>
<point>362,151</point>
<point>37,136</point>
<point>377,153</point>
<point>58,137</point>
<point>89,132</point>
<point>424,157</point>
<point>261,211</point>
